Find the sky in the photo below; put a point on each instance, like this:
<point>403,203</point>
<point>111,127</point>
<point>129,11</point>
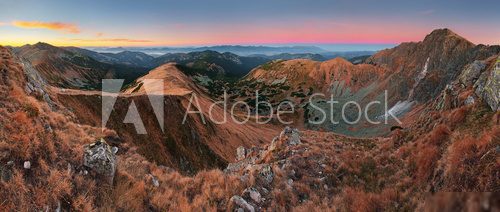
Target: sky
<point>330,24</point>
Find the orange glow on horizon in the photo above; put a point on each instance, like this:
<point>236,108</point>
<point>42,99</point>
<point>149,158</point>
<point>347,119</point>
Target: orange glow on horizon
<point>319,33</point>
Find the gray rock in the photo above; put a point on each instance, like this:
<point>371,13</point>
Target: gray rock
<point>469,101</point>
<point>253,193</point>
<point>267,173</point>
<point>69,169</point>
<point>471,72</point>
<point>488,87</point>
<point>292,135</point>
<point>27,165</point>
<point>58,209</point>
<point>273,144</point>
<point>240,153</point>
<point>47,128</point>
<point>99,158</point>
<point>36,84</point>
<point>242,203</point>
<point>155,181</point>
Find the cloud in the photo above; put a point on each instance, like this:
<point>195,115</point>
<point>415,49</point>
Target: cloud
<point>99,34</point>
<point>58,26</point>
<point>125,40</point>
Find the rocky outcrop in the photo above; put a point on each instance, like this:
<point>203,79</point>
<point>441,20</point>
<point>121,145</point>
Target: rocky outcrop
<point>35,84</point>
<point>242,204</point>
<point>488,86</point>
<point>471,73</point>
<point>246,157</point>
<point>448,98</point>
<point>287,137</point>
<point>100,158</point>
<point>259,162</point>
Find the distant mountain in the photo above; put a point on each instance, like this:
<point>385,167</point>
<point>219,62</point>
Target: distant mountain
<point>236,49</point>
<point>318,57</point>
<point>95,55</point>
<point>212,63</point>
<point>288,56</point>
<point>73,69</point>
<point>130,58</point>
<point>347,55</point>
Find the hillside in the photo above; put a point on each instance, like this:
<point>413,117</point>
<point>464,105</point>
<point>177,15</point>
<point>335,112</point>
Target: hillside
<point>411,73</point>
<point>67,69</point>
<point>442,54</point>
<point>188,147</point>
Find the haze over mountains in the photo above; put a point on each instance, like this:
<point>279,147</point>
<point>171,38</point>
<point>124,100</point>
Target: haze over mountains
<point>444,89</point>
<point>236,49</point>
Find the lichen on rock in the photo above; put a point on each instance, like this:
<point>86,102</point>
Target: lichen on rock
<point>100,159</point>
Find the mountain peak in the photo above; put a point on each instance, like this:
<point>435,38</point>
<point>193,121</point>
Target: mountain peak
<point>443,31</point>
<point>45,46</point>
<point>42,44</point>
<point>443,34</point>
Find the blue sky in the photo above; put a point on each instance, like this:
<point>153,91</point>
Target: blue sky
<point>277,22</point>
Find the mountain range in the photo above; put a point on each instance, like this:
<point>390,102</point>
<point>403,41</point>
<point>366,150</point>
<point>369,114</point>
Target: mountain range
<point>54,153</point>
<point>236,49</point>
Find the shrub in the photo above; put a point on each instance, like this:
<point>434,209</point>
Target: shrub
<point>438,135</point>
<point>425,162</point>
<point>30,110</point>
<point>457,116</point>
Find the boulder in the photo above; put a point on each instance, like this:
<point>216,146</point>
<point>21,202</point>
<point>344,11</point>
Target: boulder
<point>292,136</point>
<point>242,203</point>
<point>471,73</point>
<point>100,159</point>
<point>288,137</point>
<point>253,193</point>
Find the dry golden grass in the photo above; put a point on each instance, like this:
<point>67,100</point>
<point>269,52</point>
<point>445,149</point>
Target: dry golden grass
<point>328,172</point>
